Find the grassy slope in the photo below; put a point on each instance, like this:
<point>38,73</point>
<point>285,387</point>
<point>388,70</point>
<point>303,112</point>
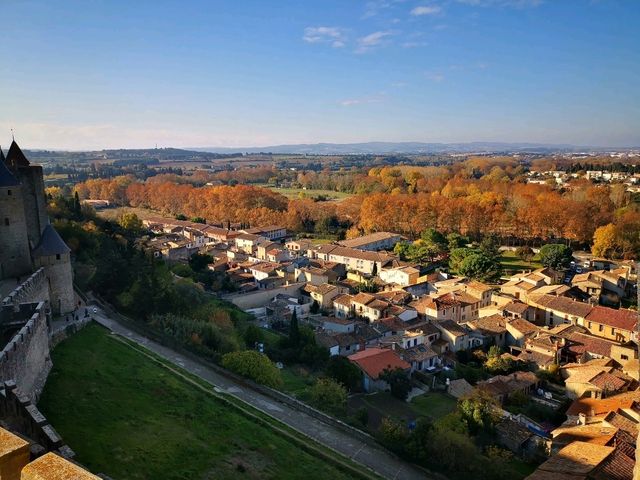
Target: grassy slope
<point>512,264</point>
<point>129,418</point>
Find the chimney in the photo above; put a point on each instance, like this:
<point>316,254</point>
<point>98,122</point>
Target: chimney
<point>582,419</point>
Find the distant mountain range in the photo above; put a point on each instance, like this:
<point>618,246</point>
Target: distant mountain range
<point>387,148</point>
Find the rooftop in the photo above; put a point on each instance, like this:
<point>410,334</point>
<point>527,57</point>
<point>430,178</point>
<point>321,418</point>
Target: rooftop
<point>373,361</point>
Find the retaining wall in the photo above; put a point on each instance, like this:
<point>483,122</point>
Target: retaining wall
<point>33,289</point>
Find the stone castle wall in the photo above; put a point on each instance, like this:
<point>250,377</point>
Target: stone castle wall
<point>33,289</point>
<point>60,280</point>
<point>35,205</point>
<point>15,257</point>
<point>26,359</point>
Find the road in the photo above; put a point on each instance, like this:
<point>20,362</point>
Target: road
<point>376,458</point>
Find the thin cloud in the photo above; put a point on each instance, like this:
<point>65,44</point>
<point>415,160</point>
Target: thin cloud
<point>351,102</point>
<point>502,3</point>
<point>434,76</point>
<point>413,44</point>
<point>426,10</point>
<point>373,40</point>
<point>334,36</point>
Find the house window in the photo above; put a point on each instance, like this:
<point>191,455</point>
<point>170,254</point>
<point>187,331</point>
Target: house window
<point>613,331</point>
<point>589,325</point>
<point>600,328</point>
<point>624,357</point>
<point>6,222</point>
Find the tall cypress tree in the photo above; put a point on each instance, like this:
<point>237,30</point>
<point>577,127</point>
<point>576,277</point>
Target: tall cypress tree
<point>294,330</point>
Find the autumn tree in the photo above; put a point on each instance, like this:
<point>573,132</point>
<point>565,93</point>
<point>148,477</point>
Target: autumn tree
<point>605,241</point>
<point>525,253</point>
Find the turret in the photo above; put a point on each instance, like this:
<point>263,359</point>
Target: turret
<point>55,256</point>
<point>32,181</point>
<point>14,246</point>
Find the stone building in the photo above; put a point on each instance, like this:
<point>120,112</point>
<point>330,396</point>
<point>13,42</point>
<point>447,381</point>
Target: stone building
<point>27,240</point>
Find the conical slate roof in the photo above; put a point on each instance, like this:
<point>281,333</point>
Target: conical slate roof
<point>2,159</point>
<point>50,244</point>
<point>15,157</point>
<point>6,177</point>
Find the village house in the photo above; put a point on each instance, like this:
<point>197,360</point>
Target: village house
<point>521,284</point>
<point>299,247</point>
<point>458,306</point>
<point>271,232</point>
<point>606,287</point>
<point>357,260</point>
<point>342,306</point>
<point>365,305</point>
<point>617,325</point>
<point>553,310</point>
<point>578,460</point>
<point>338,325</point>
<point>373,362</point>
<point>519,330</point>
<point>456,336</point>
<point>323,294</point>
<point>248,242</point>
<point>373,242</point>
<point>501,387</point>
<point>400,276</point>
<point>596,378</point>
<point>491,330</point>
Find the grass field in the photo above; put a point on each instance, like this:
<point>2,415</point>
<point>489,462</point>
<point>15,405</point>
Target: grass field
<point>434,405</point>
<point>295,193</point>
<point>512,264</point>
<point>129,418</point>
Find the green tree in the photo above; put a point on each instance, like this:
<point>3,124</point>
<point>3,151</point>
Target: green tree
<point>253,365</point>
<point>399,382</point>
<point>479,410</point>
<point>480,267</point>
<point>490,247</point>
<point>457,256</point>
<point>525,253</point>
<point>329,395</point>
<point>555,255</point>
<point>402,250</point>
<point>315,307</point>
<point>455,240</point>
<point>294,329</point>
<point>198,262</point>
<point>342,370</point>
<point>252,335</point>
<point>130,221</point>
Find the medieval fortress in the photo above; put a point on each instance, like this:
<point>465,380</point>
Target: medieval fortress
<point>36,285</point>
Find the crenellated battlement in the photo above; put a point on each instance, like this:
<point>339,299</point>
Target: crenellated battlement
<point>33,289</point>
<point>25,358</point>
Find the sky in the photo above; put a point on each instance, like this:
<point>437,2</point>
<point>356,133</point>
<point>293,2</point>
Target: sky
<point>93,74</point>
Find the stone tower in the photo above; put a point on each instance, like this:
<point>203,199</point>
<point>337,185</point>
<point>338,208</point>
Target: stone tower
<point>54,255</point>
<point>31,179</point>
<point>15,259</point>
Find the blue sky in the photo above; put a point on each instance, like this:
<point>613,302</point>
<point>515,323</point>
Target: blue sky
<point>82,74</point>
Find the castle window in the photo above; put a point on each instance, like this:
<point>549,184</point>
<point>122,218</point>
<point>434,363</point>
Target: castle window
<point>8,192</point>
<point>57,256</point>
<point>6,222</point>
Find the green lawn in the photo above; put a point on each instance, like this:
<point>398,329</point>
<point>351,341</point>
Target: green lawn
<point>129,418</point>
<point>512,264</point>
<point>295,193</point>
<point>434,405</point>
